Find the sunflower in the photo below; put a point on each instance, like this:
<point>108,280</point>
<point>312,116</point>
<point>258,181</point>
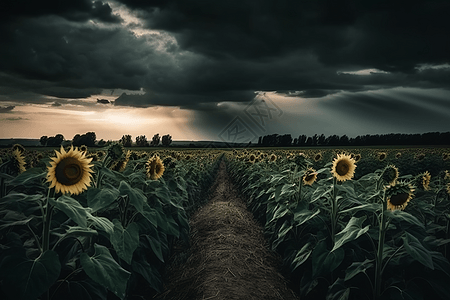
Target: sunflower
<point>399,195</point>
<point>448,188</point>
<point>445,156</point>
<point>381,156</point>
<point>310,176</point>
<point>155,168</point>
<point>70,172</point>
<point>343,167</point>
<point>318,156</point>
<point>84,148</point>
<point>426,178</point>
<point>16,163</point>
<point>18,147</point>
<point>121,164</point>
<point>115,151</point>
<point>357,157</point>
<point>272,158</point>
<point>390,175</point>
<point>252,158</point>
<point>398,155</point>
<point>446,175</point>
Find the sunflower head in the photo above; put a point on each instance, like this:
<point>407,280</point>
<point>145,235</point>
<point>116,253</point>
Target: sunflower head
<point>70,172</point>
<point>343,167</point>
<point>398,155</point>
<point>115,151</point>
<point>399,195</point>
<point>121,164</point>
<point>84,148</point>
<point>318,156</point>
<point>155,168</point>
<point>310,176</point>
<point>16,163</point>
<point>423,181</point>
<point>381,156</point>
<point>252,158</point>
<point>447,175</point>
<point>446,156</point>
<point>272,158</point>
<point>357,157</point>
<point>18,147</point>
<point>389,175</point>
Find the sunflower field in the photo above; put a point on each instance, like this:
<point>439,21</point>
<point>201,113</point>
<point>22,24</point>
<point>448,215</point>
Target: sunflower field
<point>80,224</point>
<point>353,224</point>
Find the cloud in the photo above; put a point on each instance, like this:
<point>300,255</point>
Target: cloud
<point>6,109</point>
<point>192,53</point>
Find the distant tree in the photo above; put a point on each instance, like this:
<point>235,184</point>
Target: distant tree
<point>166,140</point>
<point>90,138</point>
<point>155,140</point>
<point>43,140</point>
<point>76,141</point>
<point>141,141</point>
<point>126,140</point>
<point>55,141</point>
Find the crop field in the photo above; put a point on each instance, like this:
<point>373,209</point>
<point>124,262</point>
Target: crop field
<point>116,223</point>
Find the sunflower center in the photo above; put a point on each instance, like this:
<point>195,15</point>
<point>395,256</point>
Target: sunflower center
<point>69,171</point>
<point>399,199</point>
<point>309,177</point>
<point>342,168</point>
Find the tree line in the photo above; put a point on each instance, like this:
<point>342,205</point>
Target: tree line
<point>90,139</point>
<point>429,138</point>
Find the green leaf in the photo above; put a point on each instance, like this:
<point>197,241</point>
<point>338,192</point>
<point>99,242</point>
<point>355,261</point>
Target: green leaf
<point>99,199</point>
<point>26,178</point>
<point>280,212</point>
<point>301,256</point>
<point>149,273</point>
<point>101,223</point>
<point>358,267</point>
<point>324,260</point>
<point>403,216</point>
<point>415,248</point>
<point>156,246</point>
<point>125,240</point>
<point>28,279</point>
<point>72,208</point>
<point>304,216</point>
<point>370,207</point>
<point>103,269</point>
<point>137,197</point>
<point>80,231</point>
<point>351,232</point>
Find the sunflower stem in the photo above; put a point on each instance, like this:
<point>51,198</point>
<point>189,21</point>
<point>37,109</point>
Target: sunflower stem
<point>2,187</point>
<point>379,255</point>
<point>333,212</point>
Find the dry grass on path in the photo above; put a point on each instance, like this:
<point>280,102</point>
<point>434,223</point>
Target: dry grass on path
<point>229,258</point>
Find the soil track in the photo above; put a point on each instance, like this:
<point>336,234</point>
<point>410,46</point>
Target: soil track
<point>228,258</point>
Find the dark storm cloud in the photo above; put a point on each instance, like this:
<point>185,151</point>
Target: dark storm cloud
<point>389,35</point>
<point>78,10</point>
<point>214,51</point>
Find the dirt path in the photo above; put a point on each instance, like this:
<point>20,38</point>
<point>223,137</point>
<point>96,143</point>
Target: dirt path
<point>228,257</point>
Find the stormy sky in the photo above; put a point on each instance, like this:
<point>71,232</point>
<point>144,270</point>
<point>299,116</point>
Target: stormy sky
<point>224,70</point>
